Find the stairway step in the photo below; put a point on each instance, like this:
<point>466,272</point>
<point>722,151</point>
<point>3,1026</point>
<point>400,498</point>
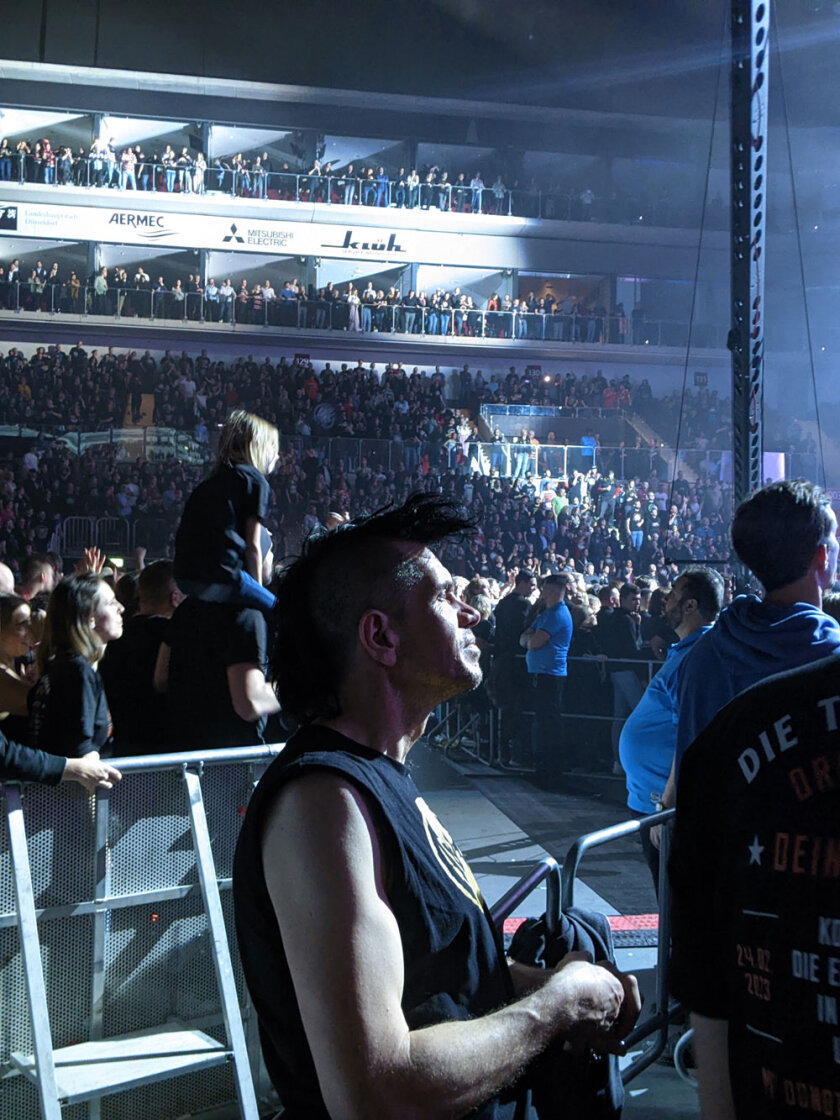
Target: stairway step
<point>91,1069</point>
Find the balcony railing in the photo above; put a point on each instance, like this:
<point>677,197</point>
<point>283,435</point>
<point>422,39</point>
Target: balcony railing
<point>251,307</point>
<point>223,176</point>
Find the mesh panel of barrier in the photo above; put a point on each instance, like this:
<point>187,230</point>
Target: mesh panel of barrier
<point>176,1097</point>
<point>149,834</point>
<point>157,953</point>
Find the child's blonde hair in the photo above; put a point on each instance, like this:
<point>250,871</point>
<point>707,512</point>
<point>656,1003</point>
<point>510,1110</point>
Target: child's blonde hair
<point>246,438</point>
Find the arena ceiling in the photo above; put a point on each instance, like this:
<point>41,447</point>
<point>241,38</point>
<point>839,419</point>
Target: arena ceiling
<point>658,57</point>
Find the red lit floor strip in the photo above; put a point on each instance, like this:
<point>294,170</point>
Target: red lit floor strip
<point>618,922</point>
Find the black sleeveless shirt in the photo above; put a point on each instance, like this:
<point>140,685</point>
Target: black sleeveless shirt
<point>454,964</point>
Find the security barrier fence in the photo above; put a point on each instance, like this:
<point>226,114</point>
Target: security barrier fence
<point>118,967</point>
<point>122,993</point>
<point>500,713</point>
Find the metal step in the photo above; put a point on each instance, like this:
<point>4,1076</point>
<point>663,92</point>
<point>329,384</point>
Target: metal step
<point>90,1069</point>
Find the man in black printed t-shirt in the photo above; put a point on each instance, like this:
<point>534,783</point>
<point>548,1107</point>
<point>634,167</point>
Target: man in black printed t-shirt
<point>755,872</point>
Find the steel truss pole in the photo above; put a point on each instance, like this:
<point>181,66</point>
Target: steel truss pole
<point>750,27</point>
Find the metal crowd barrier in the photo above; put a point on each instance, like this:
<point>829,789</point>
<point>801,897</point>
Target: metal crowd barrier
<point>115,931</point>
<point>114,536</point>
<point>657,1024</point>
<point>560,889</point>
<point>126,896</point>
<point>458,725</point>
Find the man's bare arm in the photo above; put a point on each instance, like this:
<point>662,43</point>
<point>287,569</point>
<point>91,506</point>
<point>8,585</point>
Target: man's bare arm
<point>250,693</point>
<point>345,954</point>
<point>711,1053</point>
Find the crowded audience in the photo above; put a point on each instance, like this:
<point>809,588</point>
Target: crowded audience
<point>29,286</point>
<point>389,432</point>
<point>352,440</point>
<point>174,168</point>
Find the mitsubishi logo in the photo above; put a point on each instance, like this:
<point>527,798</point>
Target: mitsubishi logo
<point>233,235</point>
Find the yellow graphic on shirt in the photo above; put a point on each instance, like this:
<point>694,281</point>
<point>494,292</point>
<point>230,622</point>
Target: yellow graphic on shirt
<point>445,851</point>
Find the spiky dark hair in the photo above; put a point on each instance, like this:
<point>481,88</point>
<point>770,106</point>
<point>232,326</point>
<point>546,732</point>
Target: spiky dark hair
<point>338,576</point>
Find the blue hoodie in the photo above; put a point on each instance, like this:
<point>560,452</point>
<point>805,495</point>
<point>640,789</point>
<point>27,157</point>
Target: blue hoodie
<point>750,641</point>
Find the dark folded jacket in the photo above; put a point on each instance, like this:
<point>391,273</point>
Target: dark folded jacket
<point>586,1085</point>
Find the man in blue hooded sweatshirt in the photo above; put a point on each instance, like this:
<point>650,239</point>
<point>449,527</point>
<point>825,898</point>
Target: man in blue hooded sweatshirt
<point>786,534</point>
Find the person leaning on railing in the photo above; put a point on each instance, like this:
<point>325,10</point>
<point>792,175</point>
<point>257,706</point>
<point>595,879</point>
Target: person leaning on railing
<point>25,764</point>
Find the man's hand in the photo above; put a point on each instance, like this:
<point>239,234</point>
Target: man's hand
<point>602,1004</point>
<point>91,772</point>
<point>91,561</point>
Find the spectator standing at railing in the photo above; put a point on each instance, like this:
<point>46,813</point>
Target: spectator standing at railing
<point>211,301</point>
<point>510,674</point>
<point>128,665</point>
<point>619,636</point>
<point>142,169</point>
<point>176,302</point>
<point>459,193</point>
<point>347,184</point>
<point>184,166</point>
<point>649,735</point>
<point>47,157</point>
<point>499,193</point>
<point>547,641</point>
<point>128,169</point>
<point>110,156</point>
<point>382,185</point>
<point>258,173</point>
<point>198,174</point>
<point>160,298</point>
<point>400,189</point>
<point>67,707</point>
<point>168,163</point>
<point>100,293</point>
<point>413,186</point>
<point>226,297</point>
<point>6,156</point>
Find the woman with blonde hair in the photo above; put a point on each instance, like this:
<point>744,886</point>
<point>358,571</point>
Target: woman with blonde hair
<point>220,542</point>
<point>68,712</point>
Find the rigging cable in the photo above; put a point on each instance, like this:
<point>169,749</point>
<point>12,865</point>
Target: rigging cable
<point>703,211</point>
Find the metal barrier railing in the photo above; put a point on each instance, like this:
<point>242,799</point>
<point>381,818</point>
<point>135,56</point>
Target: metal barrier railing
<point>127,893</point>
<point>252,306</point>
<point>151,863</point>
<point>546,871</point>
<point>456,726</point>
<point>664,1014</point>
<point>560,888</point>
<point>185,175</point>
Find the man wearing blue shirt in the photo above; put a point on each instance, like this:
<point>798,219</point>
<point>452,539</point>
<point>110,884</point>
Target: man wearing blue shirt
<point>649,735</point>
<point>547,644</point>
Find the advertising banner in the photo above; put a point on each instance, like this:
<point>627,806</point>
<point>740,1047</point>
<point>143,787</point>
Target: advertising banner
<point>183,230</point>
